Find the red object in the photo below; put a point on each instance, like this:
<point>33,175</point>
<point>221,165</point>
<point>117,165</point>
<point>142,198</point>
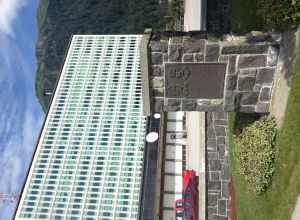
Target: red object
<point>233,200</point>
<point>187,207</point>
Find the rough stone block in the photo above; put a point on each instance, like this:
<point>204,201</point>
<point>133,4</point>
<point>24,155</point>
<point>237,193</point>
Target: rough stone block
<point>252,61</point>
<point>189,105</point>
<point>265,75</point>
<point>218,217</point>
<point>194,46</point>
<point>173,105</point>
<point>210,108</point>
<point>212,52</point>
<point>212,199</point>
<point>249,98</point>
<point>248,72</point>
<point>158,46</point>
<point>223,58</point>
<point>221,141</point>
<point>156,58</point>
<point>222,207</point>
<point>203,102</point>
<point>214,176</point>
<point>265,94</point>
<point>157,82</point>
<point>165,57</point>
<point>246,83</point>
<point>232,65</point>
<point>158,104</point>
<point>247,109</point>
<point>231,81</point>
<point>212,155</point>
<point>214,185</point>
<point>199,57</point>
<point>221,151</point>
<point>245,49</point>
<point>232,100</point>
<point>176,40</point>
<point>214,165</point>
<point>188,58</point>
<point>211,141</point>
<point>257,87</point>
<point>225,173</point>
<point>157,71</point>
<point>220,131</point>
<point>211,133</point>
<point>220,115</point>
<point>211,212</point>
<point>158,92</point>
<point>221,122</point>
<point>272,57</point>
<point>262,107</point>
<point>175,53</point>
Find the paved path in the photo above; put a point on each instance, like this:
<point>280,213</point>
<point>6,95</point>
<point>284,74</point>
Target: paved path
<point>193,15</point>
<point>296,212</point>
<point>283,76</point>
<point>195,124</point>
<point>174,163</point>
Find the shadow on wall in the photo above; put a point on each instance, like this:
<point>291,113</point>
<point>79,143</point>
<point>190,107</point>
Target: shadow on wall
<point>288,54</point>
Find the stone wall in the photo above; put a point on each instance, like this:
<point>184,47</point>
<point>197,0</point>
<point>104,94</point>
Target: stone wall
<point>218,177</point>
<point>248,82</point>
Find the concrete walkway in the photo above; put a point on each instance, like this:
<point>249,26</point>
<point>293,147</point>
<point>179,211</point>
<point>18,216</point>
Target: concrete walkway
<point>296,212</point>
<point>194,15</point>
<point>283,76</point>
<point>195,125</point>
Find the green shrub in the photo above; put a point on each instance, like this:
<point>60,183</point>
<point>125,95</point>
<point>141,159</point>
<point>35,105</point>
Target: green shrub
<point>280,14</point>
<point>255,152</point>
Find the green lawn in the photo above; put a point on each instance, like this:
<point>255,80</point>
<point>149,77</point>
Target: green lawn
<point>278,202</point>
<point>244,16</point>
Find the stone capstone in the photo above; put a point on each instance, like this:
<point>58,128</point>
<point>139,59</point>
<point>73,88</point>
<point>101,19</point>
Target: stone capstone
<point>249,98</point>
<point>245,49</point>
<point>158,104</point>
<point>262,107</point>
<point>157,58</point>
<point>214,185</point>
<point>158,46</point>
<point>157,71</point>
<point>173,105</point>
<point>246,83</point>
<point>157,82</point>
<point>199,57</point>
<point>265,94</point>
<point>212,52</point>
<point>193,46</point>
<point>175,53</point>
<point>188,58</point>
<point>252,61</point>
<point>231,82</point>
<point>212,199</point>
<point>272,56</point>
<point>189,105</point>
<point>247,108</point>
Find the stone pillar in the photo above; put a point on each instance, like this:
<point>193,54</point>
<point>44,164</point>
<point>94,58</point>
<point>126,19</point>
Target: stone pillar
<point>246,82</point>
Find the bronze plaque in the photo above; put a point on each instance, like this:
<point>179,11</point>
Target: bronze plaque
<point>195,80</point>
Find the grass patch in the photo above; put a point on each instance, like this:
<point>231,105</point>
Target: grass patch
<point>244,16</point>
<point>279,201</point>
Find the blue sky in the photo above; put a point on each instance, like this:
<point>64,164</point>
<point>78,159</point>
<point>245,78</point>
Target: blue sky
<point>20,113</point>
